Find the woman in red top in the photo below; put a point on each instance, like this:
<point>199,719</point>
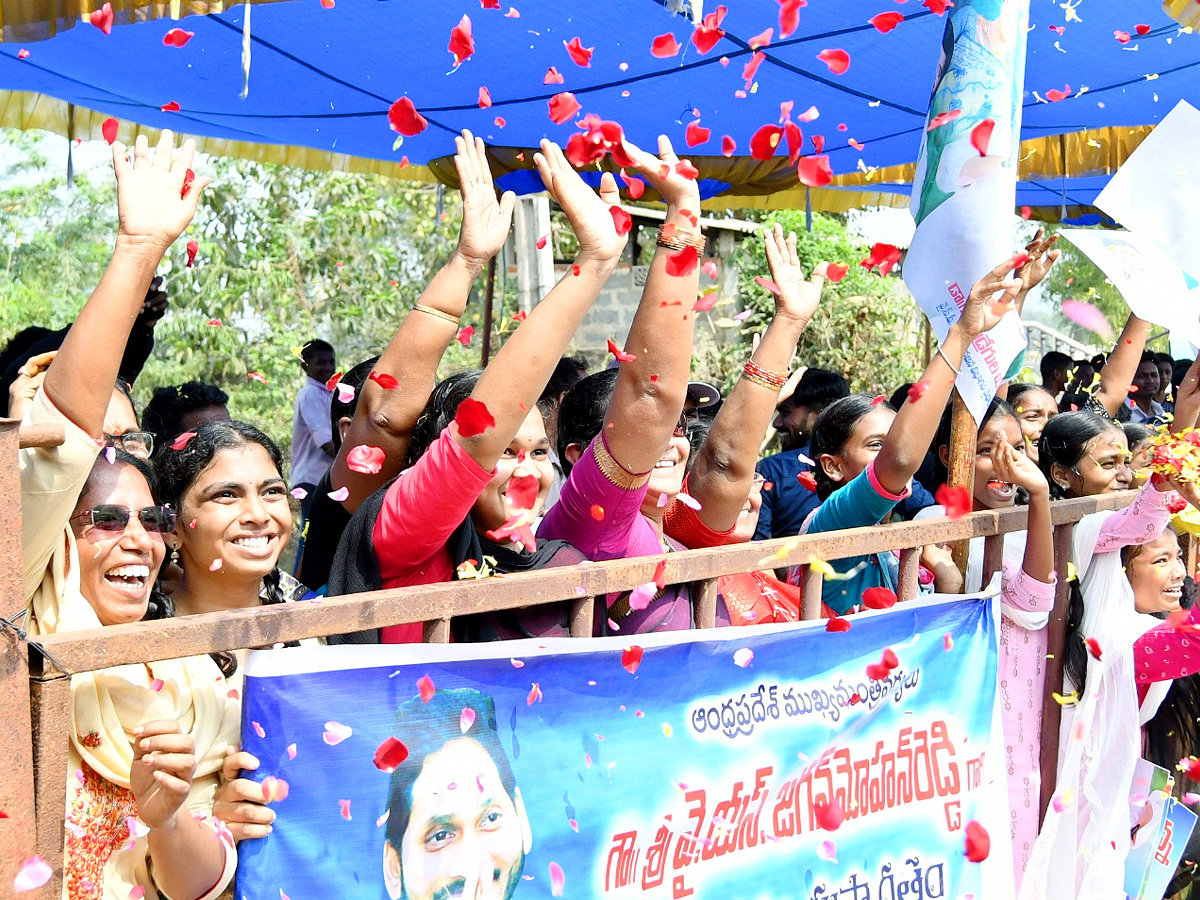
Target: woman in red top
<point>480,467</point>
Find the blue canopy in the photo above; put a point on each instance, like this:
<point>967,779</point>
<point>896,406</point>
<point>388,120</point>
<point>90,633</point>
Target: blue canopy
<point>324,78</point>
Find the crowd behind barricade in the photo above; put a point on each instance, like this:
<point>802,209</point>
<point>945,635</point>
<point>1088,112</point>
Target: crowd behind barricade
<point>531,463</point>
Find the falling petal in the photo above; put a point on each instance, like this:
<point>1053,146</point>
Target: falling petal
<point>340,494</point>
<point>345,805</point>
<point>291,751</point>
<point>557,879</point>
<point>336,732</point>
<point>34,873</point>
<point>425,688</point>
<point>837,60</point>
<point>743,657</point>
<point>827,850</point>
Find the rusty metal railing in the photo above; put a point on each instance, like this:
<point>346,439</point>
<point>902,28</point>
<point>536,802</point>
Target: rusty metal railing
<point>35,686</point>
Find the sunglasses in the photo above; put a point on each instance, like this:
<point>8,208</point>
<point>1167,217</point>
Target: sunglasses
<point>115,519</point>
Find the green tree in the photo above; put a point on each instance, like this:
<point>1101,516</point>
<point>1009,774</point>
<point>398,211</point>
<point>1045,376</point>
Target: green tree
<point>867,327</point>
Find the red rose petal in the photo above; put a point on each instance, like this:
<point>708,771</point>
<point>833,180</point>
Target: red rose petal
<point>1142,29</point>
<point>580,55</point>
<point>751,68</point>
<point>1055,95</point>
<point>878,598</point>
<point>425,688</point>
<point>177,37</point>
<point>562,107</point>
<point>170,107</point>
<point>620,354</point>
<point>685,168</point>
<point>389,755</point>
<point>683,262</point>
<point>883,256</point>
<point>462,44</point>
<point>365,459</point>
<point>621,219</point>
<point>552,76</point>
<point>22,53</point>
<point>473,418</point>
<point>664,46</point>
<point>767,284</point>
<point>889,659</point>
<point>814,171</point>
<point>384,380</point>
<point>837,623</point>
<point>404,118</point>
<point>1093,646</point>
<point>829,814</point>
<point>465,334</point>
<point>631,658</point>
<point>188,177</point>
<point>956,500</point>
<point>102,18</point>
<point>942,118</point>
<point>1026,212</point>
<point>937,7</point>
<point>978,842</point>
<point>182,441</point>
<point>837,60</point>
<point>917,391</point>
<point>522,491</point>
<point>765,141</point>
<point>485,97</point>
<point>696,134</point>
<point>728,146</point>
<point>789,17</point>
<point>807,481</point>
<point>1122,37</point>
<point>192,249</point>
<point>761,40</point>
<point>835,272</point>
<point>886,21</point>
<point>635,186</point>
<point>709,32</point>
<point>981,135</point>
<point>109,130</point>
<point>597,512</point>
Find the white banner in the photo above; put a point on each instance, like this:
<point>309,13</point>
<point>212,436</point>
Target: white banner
<point>963,198</point>
<point>1153,286</point>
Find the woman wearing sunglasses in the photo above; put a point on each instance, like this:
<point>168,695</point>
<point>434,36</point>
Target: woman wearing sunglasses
<point>147,741</point>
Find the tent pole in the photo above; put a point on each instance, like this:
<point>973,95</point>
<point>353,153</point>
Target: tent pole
<point>962,465</point>
<point>808,209</point>
<point>489,295</point>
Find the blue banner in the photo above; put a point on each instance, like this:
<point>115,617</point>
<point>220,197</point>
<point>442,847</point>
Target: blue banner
<point>757,762</point>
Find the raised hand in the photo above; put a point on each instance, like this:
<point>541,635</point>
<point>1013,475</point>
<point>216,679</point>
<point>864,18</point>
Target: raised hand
<point>677,190</point>
<point>798,296</point>
<point>588,213</point>
<point>485,220</point>
<point>160,776</point>
<point>152,204</point>
<point>1017,468</point>
<point>1034,269</point>
<point>988,301</point>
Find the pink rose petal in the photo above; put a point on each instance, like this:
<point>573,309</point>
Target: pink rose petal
<point>557,879</point>
<point>340,494</point>
<point>743,657</point>
<point>827,850</point>
<point>466,719</point>
<point>345,393</point>
<point>336,732</point>
<point>33,874</point>
<point>640,596</point>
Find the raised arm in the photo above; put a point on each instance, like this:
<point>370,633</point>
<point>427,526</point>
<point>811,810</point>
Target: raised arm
<point>1187,400</point>
<point>511,385</point>
<point>153,209</point>
<point>1017,468</point>
<point>724,469</point>
<point>916,423</point>
<point>1122,364</point>
<point>385,418</point>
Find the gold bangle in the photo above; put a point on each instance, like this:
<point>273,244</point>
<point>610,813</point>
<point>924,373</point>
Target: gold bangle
<point>614,471</point>
<point>453,320</point>
<point>760,375</point>
<point>673,237</point>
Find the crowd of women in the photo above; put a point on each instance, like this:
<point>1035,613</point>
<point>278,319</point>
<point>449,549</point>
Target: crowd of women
<point>436,481</point>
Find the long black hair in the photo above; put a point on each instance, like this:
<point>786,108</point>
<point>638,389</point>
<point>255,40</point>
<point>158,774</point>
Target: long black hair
<point>177,471</point>
<point>833,429</point>
<point>1064,441</point>
<point>439,412</point>
<point>581,415</point>
<point>338,409</point>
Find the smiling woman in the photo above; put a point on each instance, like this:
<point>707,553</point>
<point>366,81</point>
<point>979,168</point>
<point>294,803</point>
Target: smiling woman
<point>233,518</point>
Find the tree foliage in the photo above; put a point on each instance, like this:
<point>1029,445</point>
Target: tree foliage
<point>868,328</point>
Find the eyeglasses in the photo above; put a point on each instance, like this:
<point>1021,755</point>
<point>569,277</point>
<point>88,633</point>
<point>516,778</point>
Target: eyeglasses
<point>114,519</point>
<point>135,442</point>
<point>759,480</point>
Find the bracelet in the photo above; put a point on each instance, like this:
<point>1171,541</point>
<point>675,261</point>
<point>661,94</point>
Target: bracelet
<point>453,320</point>
<point>673,237</point>
<point>613,470</point>
<point>765,377</point>
<point>946,360</point>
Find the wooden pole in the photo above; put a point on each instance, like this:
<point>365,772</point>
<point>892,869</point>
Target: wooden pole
<point>962,466</point>
<point>928,343</point>
<point>485,353</point>
<point>1056,648</point>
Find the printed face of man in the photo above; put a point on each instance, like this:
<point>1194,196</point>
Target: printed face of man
<point>466,837</point>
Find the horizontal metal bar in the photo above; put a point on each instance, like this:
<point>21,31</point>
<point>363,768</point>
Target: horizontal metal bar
<point>84,651</point>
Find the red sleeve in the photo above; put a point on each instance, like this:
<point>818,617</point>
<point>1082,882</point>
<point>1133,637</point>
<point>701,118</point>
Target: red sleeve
<point>1165,653</point>
<point>683,523</point>
<point>421,510</point>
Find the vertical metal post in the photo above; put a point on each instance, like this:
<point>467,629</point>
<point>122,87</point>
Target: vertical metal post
<point>704,603</point>
<point>810,595</point>
<point>17,828</point>
<point>910,565</point>
<point>489,295</point>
